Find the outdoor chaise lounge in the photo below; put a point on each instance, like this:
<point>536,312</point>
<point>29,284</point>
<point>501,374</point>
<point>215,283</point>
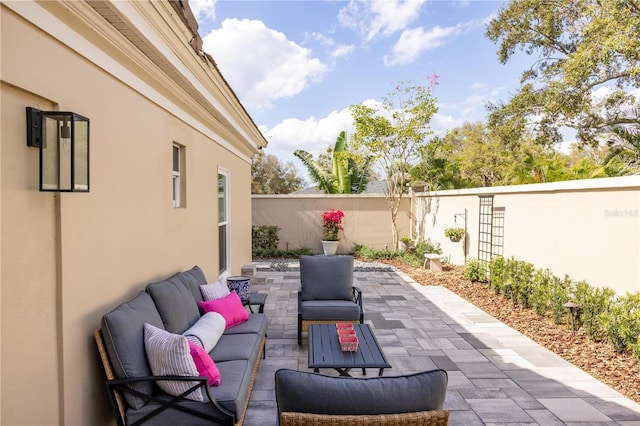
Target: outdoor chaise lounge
<point>327,294</point>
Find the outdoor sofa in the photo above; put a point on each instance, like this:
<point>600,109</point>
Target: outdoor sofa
<point>168,309</point>
<point>310,399</point>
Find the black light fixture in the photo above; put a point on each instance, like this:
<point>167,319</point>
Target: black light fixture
<point>63,140</point>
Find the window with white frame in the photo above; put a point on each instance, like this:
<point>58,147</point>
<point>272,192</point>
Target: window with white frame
<point>178,176</point>
<point>223,222</point>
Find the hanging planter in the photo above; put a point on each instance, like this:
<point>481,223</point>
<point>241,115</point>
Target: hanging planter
<point>455,234</point>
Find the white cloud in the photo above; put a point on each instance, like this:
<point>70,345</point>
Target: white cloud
<point>270,67</point>
<point>342,51</point>
<point>311,135</point>
<point>414,41</point>
<point>373,19</point>
<point>203,10</point>
<point>335,50</point>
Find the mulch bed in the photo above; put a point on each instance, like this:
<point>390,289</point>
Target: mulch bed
<point>620,371</point>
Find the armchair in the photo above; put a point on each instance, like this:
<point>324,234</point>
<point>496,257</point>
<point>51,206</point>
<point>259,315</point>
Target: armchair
<point>327,294</point>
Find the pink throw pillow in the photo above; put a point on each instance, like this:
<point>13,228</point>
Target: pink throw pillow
<point>230,307</point>
<point>204,364</point>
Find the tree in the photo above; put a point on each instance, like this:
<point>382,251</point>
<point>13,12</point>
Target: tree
<point>350,172</point>
<point>271,176</point>
<point>582,46</point>
<point>623,144</point>
<point>393,131</point>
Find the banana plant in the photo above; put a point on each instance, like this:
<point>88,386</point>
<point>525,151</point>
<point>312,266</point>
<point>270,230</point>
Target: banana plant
<point>346,176</point>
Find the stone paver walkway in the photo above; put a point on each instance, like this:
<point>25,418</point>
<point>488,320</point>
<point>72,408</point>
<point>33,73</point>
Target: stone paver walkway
<point>496,375</point>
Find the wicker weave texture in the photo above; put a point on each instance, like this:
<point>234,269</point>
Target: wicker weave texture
<point>307,323</point>
<point>422,418</point>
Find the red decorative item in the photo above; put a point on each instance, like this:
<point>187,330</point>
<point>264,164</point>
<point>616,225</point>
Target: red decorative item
<point>348,343</point>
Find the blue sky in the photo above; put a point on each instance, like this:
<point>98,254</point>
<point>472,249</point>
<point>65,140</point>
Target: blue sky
<point>297,65</point>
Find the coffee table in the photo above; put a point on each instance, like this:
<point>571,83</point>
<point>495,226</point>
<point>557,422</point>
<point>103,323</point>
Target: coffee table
<point>325,352</point>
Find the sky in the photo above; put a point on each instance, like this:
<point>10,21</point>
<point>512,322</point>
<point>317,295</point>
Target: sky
<point>297,66</point>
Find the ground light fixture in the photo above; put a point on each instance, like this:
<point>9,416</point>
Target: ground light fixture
<point>63,141</point>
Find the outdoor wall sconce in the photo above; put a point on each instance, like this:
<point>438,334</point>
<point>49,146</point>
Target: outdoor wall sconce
<point>63,141</point>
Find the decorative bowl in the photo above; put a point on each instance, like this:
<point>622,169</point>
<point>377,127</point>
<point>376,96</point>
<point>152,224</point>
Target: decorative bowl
<point>348,343</point>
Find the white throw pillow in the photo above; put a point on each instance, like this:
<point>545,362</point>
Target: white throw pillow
<point>214,291</point>
<point>169,355</point>
<point>206,331</point>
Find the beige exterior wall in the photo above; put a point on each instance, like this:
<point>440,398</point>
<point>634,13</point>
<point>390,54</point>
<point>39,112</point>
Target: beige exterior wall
<point>68,258</point>
<point>588,229</point>
<point>367,219</point>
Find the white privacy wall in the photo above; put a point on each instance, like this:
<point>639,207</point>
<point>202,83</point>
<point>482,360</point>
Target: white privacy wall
<point>587,229</point>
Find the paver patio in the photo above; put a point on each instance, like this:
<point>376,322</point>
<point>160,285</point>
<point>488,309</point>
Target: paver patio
<point>496,375</point>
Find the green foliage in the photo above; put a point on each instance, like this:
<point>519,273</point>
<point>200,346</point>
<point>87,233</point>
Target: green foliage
<point>559,294</point>
<point>264,238</point>
<point>593,302</point>
<point>475,270</point>
<point>414,257</point>
<point>523,283</point>
<point>621,323</point>
<point>455,234</point>
<point>541,293</point>
<point>577,46</point>
<point>497,274</point>
<point>271,176</point>
<point>350,172</point>
<point>277,253</point>
<point>392,133</point>
<point>373,254</point>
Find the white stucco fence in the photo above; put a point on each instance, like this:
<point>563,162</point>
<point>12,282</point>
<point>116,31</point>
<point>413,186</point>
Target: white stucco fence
<point>587,229</point>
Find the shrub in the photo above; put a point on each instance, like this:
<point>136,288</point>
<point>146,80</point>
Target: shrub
<point>541,293</point>
<point>593,302</point>
<point>559,294</point>
<point>523,283</point>
<point>475,270</point>
<point>372,254</point>
<point>264,238</point>
<point>276,253</point>
<point>621,323</point>
<point>497,274</point>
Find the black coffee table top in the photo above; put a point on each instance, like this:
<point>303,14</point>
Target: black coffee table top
<point>325,352</point>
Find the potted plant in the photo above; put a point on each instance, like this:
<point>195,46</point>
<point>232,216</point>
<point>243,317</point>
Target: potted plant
<point>455,234</point>
<point>407,242</point>
<point>331,226</point>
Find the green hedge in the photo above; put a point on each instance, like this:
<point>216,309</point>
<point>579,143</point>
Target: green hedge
<point>602,314</point>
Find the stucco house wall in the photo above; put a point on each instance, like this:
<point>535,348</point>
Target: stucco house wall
<point>68,258</point>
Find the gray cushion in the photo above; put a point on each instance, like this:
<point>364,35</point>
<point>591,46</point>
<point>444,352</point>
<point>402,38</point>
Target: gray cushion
<point>123,332</point>
<point>236,346</point>
<point>330,310</point>
<point>175,303</point>
<point>193,279</point>
<point>257,324</point>
<point>326,277</point>
<point>303,392</point>
<point>232,394</point>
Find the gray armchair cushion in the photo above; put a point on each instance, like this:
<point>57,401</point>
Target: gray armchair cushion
<point>123,331</point>
<point>303,392</point>
<point>326,277</point>
<point>326,310</point>
<point>176,304</point>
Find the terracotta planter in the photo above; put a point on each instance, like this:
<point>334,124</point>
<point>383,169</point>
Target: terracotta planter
<point>330,247</point>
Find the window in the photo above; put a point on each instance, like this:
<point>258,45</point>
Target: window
<point>223,223</point>
<point>178,176</point>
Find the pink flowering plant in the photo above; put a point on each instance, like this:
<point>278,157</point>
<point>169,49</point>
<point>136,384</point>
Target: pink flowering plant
<point>332,224</point>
